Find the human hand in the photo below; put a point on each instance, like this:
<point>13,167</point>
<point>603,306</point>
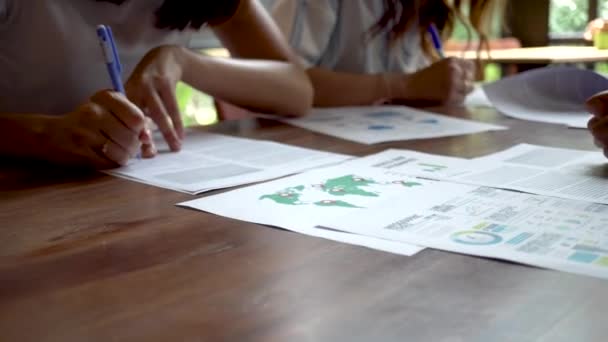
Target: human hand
<point>152,88</point>
<point>598,125</point>
<point>103,132</point>
<point>445,82</point>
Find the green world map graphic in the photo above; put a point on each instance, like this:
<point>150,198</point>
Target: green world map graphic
<point>349,185</point>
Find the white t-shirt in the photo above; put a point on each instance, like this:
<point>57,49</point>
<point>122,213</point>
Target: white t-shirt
<point>50,59</point>
<point>333,34</point>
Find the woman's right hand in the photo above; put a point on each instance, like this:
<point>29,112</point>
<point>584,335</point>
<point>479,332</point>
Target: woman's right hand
<point>447,81</point>
<point>104,132</point>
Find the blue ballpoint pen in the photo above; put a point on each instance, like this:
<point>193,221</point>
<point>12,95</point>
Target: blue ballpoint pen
<point>108,48</point>
<point>436,40</point>
<point>110,54</point>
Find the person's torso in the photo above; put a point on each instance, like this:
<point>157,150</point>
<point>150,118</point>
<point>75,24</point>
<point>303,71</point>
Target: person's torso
<point>351,49</point>
<point>50,57</point>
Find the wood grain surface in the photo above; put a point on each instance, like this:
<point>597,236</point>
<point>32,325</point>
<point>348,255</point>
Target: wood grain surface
<point>89,257</point>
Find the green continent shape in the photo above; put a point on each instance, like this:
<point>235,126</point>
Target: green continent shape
<point>348,185</point>
<point>333,203</point>
<point>289,196</point>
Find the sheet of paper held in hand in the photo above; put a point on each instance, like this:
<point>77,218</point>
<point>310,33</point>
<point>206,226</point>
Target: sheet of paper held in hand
<point>552,94</point>
<point>549,232</point>
<point>564,173</point>
<point>370,125</point>
<point>213,161</point>
<point>298,203</point>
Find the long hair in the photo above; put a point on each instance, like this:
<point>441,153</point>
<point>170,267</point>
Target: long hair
<point>401,15</point>
<point>193,14</point>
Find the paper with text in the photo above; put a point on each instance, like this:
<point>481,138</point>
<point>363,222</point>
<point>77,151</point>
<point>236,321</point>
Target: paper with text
<point>298,202</point>
<point>213,161</point>
<point>371,125</point>
<point>554,233</point>
<point>552,94</point>
<point>564,173</point>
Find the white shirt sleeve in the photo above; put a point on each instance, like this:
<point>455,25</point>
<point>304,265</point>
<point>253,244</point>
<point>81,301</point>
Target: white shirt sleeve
<point>308,26</point>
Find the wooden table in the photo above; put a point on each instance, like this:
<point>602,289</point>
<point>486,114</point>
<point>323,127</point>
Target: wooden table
<point>538,55</point>
<point>97,258</point>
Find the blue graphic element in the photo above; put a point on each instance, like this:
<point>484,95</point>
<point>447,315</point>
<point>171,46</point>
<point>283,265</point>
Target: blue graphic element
<point>473,237</point>
<point>380,127</point>
<point>593,249</point>
<point>496,228</point>
<point>429,121</point>
<point>381,115</point>
<point>585,258</point>
<point>519,238</point>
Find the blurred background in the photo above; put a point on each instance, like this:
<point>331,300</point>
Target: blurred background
<point>522,23</point>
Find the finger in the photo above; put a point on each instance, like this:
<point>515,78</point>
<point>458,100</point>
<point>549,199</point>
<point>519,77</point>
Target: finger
<point>594,121</point>
<point>600,132</point>
<point>166,91</point>
<point>123,109</point>
<point>114,153</point>
<point>148,148</point>
<point>158,113</point>
<point>598,104</point>
<point>115,131</point>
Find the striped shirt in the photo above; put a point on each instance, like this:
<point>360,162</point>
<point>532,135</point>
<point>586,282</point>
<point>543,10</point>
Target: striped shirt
<point>334,34</point>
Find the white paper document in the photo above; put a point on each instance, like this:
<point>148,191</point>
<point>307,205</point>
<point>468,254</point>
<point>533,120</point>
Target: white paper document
<point>564,173</point>
<point>298,203</point>
<point>554,233</point>
<point>552,94</point>
<point>213,161</point>
<point>377,124</point>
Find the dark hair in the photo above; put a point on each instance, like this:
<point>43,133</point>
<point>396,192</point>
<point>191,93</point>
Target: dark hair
<point>401,15</point>
<point>182,14</point>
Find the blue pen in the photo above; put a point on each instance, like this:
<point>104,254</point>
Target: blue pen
<point>110,54</point>
<point>436,39</point>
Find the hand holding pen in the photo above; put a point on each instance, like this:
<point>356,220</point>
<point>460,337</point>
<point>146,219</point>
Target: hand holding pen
<point>138,132</point>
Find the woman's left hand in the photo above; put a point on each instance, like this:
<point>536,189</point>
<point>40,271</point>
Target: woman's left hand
<point>151,86</point>
<point>598,125</point>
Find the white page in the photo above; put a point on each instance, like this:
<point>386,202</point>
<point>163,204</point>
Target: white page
<point>564,173</point>
<point>213,161</point>
<point>553,94</point>
<point>298,202</point>
<point>559,234</point>
<point>371,125</point>
<point>414,163</point>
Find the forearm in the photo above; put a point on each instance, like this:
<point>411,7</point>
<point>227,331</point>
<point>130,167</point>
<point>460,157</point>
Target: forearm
<point>332,88</point>
<point>23,135</point>
<point>260,85</point>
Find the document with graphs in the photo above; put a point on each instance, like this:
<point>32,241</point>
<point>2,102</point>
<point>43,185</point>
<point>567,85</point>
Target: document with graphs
<point>543,231</point>
<point>298,203</point>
